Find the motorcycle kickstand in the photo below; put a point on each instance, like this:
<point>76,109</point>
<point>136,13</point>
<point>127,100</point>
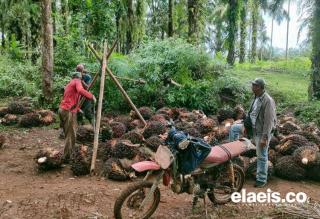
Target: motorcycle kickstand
<point>205,203</point>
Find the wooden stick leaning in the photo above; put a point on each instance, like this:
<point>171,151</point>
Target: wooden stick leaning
<point>127,98</point>
<point>124,93</point>
<point>97,74</point>
<point>99,111</point>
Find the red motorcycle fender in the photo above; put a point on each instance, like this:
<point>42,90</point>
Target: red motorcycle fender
<point>145,165</point>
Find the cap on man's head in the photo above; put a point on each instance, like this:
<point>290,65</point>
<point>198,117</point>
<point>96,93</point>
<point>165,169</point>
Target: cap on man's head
<point>80,67</point>
<point>259,81</point>
<point>76,74</point>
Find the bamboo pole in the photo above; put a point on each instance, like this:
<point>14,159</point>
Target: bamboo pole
<point>99,111</point>
<point>119,86</point>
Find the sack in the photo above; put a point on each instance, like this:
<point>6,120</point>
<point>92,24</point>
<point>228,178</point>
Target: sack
<point>192,156</point>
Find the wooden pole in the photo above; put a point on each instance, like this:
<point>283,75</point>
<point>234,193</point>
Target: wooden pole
<point>99,111</point>
<point>96,75</point>
<point>124,93</point>
<point>119,86</point>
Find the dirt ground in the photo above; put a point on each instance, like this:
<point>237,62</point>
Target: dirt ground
<point>25,193</point>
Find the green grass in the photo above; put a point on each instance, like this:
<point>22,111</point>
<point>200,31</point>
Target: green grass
<point>287,81</point>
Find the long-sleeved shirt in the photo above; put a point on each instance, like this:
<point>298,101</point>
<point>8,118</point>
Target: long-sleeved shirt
<point>266,118</point>
<point>71,96</point>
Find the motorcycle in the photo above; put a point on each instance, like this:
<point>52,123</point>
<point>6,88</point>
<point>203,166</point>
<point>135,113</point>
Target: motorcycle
<point>216,177</point>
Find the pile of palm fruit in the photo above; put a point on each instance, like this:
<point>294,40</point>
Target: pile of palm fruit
<point>124,140</point>
<point>23,114</point>
<point>127,141</point>
<point>293,152</point>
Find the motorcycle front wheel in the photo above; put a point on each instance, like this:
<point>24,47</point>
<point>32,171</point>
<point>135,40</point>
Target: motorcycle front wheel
<point>128,204</point>
<point>222,195</point>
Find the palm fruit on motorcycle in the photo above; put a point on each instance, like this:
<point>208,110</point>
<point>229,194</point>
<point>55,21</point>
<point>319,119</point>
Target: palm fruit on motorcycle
<point>273,155</point>
<point>154,128</point>
<point>288,127</point>
<point>287,168</point>
<point>252,168</point>
<point>10,119</point>
<point>125,149</point>
<point>81,160</point>
<point>47,117</point>
<point>118,129</point>
<point>112,169</point>
<point>306,156</point>
<point>32,119</point>
<point>48,159</point>
<point>205,125</point>
<point>311,137</point>
<point>133,136</point>
<point>2,140</point>
<point>145,112</point>
<point>3,111</point>
<point>290,143</point>
<point>154,142</point>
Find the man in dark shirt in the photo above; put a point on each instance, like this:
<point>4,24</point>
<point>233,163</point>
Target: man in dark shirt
<point>87,106</point>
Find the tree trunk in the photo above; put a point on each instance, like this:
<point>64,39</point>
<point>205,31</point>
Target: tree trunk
<point>255,13</point>
<point>65,15</point>
<point>47,51</point>
<point>218,40</point>
<point>243,33</point>
<point>314,89</point>
<point>271,39</point>
<point>288,21</point>
<point>232,30</point>
<point>192,20</point>
<point>170,17</point>
<point>130,25</point>
<point>140,21</point>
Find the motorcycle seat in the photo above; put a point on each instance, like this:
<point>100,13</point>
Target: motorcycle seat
<point>224,152</point>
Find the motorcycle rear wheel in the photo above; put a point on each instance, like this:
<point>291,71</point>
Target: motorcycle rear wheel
<point>239,178</point>
<point>131,193</point>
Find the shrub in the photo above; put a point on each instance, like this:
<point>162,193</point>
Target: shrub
<point>18,78</point>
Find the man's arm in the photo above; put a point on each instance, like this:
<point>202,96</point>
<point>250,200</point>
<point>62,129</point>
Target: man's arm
<point>82,91</point>
<point>269,114</point>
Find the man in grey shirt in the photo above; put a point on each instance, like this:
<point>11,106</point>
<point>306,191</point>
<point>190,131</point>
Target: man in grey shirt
<point>263,118</point>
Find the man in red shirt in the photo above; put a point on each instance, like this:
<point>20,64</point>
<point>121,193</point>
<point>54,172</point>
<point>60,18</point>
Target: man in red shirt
<point>68,111</point>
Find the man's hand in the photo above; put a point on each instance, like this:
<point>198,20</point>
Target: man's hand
<point>263,142</point>
<point>94,99</point>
